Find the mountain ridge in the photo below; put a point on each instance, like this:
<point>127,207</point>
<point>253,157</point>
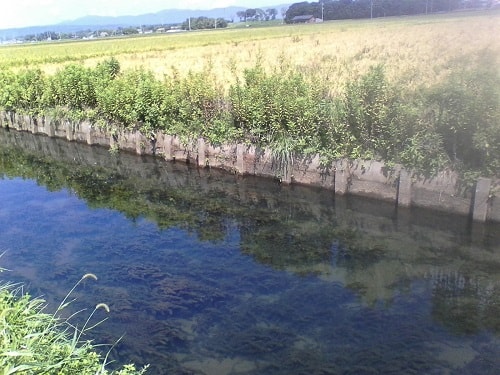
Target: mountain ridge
<point>163,17</point>
<point>166,16</point>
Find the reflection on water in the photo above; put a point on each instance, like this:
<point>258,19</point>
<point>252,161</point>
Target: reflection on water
<point>207,273</point>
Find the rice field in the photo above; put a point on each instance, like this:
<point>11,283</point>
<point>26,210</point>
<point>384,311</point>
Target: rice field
<point>416,50</point>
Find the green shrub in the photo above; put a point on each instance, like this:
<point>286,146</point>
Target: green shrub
<point>131,99</point>
<point>107,70</point>
<point>424,152</point>
<point>72,87</point>
<point>32,86</point>
<point>465,112</point>
<point>10,91</point>
<point>375,115</point>
<point>195,106</point>
<point>269,108</point>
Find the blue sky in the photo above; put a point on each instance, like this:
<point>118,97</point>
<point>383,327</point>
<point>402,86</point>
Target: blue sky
<point>20,13</point>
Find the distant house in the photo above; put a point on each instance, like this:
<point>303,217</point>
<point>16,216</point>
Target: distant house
<point>304,19</point>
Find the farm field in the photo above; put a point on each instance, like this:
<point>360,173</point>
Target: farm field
<point>422,92</point>
<point>416,50</point>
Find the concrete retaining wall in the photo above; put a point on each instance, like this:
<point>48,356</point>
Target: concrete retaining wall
<point>365,178</point>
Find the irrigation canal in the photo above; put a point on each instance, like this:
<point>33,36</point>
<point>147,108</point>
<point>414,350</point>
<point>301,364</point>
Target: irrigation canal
<point>210,273</point>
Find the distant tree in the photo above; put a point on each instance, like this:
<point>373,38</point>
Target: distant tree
<point>129,31</point>
<point>30,38</point>
<point>351,9</point>
<point>200,23</point>
<point>221,23</point>
<point>242,15</point>
<point>284,10</point>
<point>272,13</point>
<point>46,35</point>
<point>302,9</point>
<point>260,15</point>
<point>250,13</point>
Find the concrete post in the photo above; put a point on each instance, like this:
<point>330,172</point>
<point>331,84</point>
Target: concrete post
<point>50,128</point>
<point>89,135</point>
<point>480,206</point>
<point>202,160</point>
<point>288,172</point>
<point>139,143</point>
<point>35,122</point>
<point>31,121</point>
<point>341,176</point>
<point>25,122</point>
<point>167,147</point>
<point>404,189</point>
<point>13,122</point>
<point>12,119</point>
<point>114,141</point>
<point>158,145</point>
<point>42,121</point>
<point>69,131</point>
<point>18,122</point>
<point>240,158</point>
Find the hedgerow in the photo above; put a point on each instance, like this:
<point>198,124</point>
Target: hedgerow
<point>452,124</point>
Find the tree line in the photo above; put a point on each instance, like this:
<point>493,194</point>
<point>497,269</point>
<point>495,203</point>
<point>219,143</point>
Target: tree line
<point>90,34</point>
<point>353,9</point>
<point>201,23</point>
<point>453,124</point>
<point>257,14</point>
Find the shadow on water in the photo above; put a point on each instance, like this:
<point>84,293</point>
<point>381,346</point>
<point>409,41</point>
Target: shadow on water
<point>211,273</point>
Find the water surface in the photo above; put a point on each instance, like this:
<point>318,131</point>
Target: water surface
<point>208,273</point>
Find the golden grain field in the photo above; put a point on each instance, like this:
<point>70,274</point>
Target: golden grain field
<point>418,50</point>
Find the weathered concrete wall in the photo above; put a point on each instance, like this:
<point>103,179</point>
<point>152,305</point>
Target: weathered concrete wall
<point>365,178</point>
<point>441,192</point>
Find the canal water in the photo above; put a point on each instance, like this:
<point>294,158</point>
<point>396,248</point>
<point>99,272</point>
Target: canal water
<point>211,273</point>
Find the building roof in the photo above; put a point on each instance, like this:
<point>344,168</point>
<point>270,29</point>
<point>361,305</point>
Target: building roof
<point>303,18</point>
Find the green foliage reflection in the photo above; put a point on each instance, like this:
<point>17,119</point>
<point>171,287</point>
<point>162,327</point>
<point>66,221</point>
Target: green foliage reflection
<point>290,229</point>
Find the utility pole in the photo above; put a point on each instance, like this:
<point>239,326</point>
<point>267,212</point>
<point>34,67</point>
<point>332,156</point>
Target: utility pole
<point>322,11</point>
<point>189,23</point>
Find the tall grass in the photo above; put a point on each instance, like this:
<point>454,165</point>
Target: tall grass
<point>34,342</point>
<point>415,50</point>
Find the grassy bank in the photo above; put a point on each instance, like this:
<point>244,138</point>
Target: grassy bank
<point>35,342</point>
<point>420,91</point>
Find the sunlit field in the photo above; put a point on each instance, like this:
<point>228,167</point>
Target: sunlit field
<point>416,50</point>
